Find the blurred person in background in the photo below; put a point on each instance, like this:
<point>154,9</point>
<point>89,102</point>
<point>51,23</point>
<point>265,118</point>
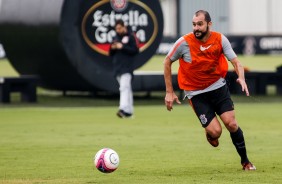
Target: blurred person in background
<point>122,50</point>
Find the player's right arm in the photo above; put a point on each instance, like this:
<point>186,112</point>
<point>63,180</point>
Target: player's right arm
<point>170,96</point>
<point>175,53</point>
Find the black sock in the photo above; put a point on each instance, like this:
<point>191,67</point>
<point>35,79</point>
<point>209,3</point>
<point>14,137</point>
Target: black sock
<point>239,143</point>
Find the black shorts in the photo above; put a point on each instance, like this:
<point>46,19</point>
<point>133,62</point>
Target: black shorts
<point>207,105</point>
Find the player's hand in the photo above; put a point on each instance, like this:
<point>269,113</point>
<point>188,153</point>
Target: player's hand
<point>119,45</point>
<point>113,46</point>
<point>170,97</point>
<point>244,86</point>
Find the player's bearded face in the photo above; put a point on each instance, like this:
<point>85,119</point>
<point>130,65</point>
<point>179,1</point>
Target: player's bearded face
<point>201,34</point>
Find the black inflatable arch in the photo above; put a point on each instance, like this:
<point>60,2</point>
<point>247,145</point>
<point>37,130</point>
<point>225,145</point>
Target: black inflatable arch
<point>68,54</point>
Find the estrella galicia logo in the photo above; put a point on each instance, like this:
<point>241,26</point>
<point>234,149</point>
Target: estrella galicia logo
<point>98,21</point>
<point>119,5</point>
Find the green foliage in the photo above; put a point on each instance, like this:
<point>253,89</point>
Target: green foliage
<point>55,144</point>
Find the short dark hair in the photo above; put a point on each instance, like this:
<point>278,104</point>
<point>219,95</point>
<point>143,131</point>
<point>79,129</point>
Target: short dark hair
<point>206,14</point>
<point>119,22</point>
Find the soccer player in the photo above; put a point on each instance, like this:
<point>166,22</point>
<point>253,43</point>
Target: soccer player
<point>202,68</point>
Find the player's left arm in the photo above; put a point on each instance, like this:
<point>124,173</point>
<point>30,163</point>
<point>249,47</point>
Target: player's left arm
<point>232,57</point>
<point>239,69</point>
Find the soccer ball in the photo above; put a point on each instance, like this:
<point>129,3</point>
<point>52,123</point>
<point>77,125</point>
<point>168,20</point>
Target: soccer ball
<point>106,160</point>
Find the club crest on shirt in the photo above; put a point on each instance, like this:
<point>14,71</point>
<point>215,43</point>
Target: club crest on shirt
<point>203,119</point>
<point>125,40</point>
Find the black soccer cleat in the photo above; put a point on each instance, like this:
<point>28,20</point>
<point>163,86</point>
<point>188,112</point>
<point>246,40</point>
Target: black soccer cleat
<point>122,114</point>
<point>248,166</point>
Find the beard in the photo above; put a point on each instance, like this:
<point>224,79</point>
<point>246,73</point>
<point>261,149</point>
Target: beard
<point>120,33</point>
<point>202,35</point>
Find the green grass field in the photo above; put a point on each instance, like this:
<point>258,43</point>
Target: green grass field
<point>56,145</point>
<point>54,141</point>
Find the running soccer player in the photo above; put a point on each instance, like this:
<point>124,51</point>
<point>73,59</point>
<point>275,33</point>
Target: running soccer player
<point>202,68</point>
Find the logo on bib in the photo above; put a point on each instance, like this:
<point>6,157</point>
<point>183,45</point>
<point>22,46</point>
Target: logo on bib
<point>204,48</point>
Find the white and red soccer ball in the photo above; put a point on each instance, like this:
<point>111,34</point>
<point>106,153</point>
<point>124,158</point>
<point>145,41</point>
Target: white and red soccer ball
<point>106,160</point>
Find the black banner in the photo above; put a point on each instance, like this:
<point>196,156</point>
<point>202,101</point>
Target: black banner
<point>245,45</point>
<point>251,45</point>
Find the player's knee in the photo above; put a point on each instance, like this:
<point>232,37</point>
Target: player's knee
<point>215,132</point>
<point>230,122</point>
<point>232,126</point>
<point>214,128</point>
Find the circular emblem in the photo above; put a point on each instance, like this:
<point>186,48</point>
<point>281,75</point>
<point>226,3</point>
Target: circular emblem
<point>119,5</point>
<point>88,30</point>
<point>98,23</point>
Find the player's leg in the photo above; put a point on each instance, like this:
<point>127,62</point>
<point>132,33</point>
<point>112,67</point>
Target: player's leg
<point>207,117</point>
<point>237,137</point>
<point>213,132</point>
<point>228,118</point>
<point>126,95</point>
<point>225,110</point>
